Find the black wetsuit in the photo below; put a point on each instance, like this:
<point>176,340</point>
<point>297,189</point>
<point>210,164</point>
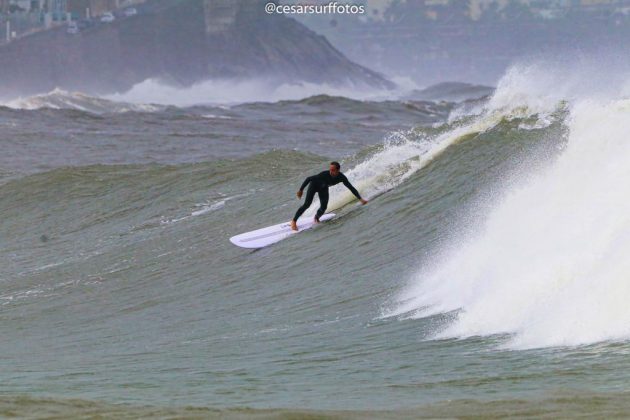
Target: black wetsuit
<point>319,184</point>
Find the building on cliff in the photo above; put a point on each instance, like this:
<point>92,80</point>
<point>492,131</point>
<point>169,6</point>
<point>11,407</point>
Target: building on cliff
<point>86,9</point>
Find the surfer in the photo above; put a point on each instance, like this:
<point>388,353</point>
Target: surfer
<point>319,184</point>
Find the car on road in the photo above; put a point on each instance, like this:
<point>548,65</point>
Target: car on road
<point>132,11</point>
<point>108,17</point>
<point>73,28</point>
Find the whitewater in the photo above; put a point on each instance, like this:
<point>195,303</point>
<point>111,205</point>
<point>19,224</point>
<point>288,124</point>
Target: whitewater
<point>547,266</point>
<point>486,274</point>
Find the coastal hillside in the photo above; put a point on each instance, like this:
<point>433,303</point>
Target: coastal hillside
<point>180,42</point>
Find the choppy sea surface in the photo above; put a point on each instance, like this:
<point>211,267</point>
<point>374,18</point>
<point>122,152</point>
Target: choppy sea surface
<point>486,277</point>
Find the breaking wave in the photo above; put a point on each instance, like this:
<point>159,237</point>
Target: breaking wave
<point>548,265</point>
<point>61,99</point>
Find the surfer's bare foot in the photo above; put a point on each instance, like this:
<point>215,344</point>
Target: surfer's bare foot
<point>294,225</point>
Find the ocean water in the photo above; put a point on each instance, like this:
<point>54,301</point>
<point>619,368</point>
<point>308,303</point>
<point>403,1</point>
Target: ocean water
<point>486,277</point>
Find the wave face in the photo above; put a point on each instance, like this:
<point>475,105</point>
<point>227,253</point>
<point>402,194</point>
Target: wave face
<point>489,263</point>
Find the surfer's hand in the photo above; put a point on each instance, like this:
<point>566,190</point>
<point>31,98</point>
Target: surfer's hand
<point>299,194</point>
<point>364,201</point>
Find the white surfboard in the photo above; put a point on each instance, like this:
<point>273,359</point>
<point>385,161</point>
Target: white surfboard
<point>270,235</point>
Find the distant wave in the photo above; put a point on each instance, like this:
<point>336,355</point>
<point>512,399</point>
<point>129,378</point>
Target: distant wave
<point>152,95</point>
<point>61,99</point>
<point>452,92</point>
<point>367,108</point>
<point>260,90</point>
<point>231,92</point>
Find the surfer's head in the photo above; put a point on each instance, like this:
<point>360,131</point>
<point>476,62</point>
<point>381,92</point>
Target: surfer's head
<point>335,167</point>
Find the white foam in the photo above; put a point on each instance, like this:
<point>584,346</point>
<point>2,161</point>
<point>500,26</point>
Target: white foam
<point>550,266</point>
<point>227,91</point>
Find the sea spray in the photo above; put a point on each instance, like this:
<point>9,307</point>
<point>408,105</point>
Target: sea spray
<point>549,266</point>
<point>228,91</point>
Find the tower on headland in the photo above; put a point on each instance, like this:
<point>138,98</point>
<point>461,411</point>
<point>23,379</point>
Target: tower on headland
<point>222,15</point>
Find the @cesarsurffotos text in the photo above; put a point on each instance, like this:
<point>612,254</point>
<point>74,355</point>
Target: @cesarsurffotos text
<point>331,7</point>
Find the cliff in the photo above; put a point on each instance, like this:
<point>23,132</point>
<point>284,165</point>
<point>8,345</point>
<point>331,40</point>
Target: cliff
<point>181,42</point>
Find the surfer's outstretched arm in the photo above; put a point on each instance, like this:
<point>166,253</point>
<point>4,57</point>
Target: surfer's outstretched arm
<point>352,189</point>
